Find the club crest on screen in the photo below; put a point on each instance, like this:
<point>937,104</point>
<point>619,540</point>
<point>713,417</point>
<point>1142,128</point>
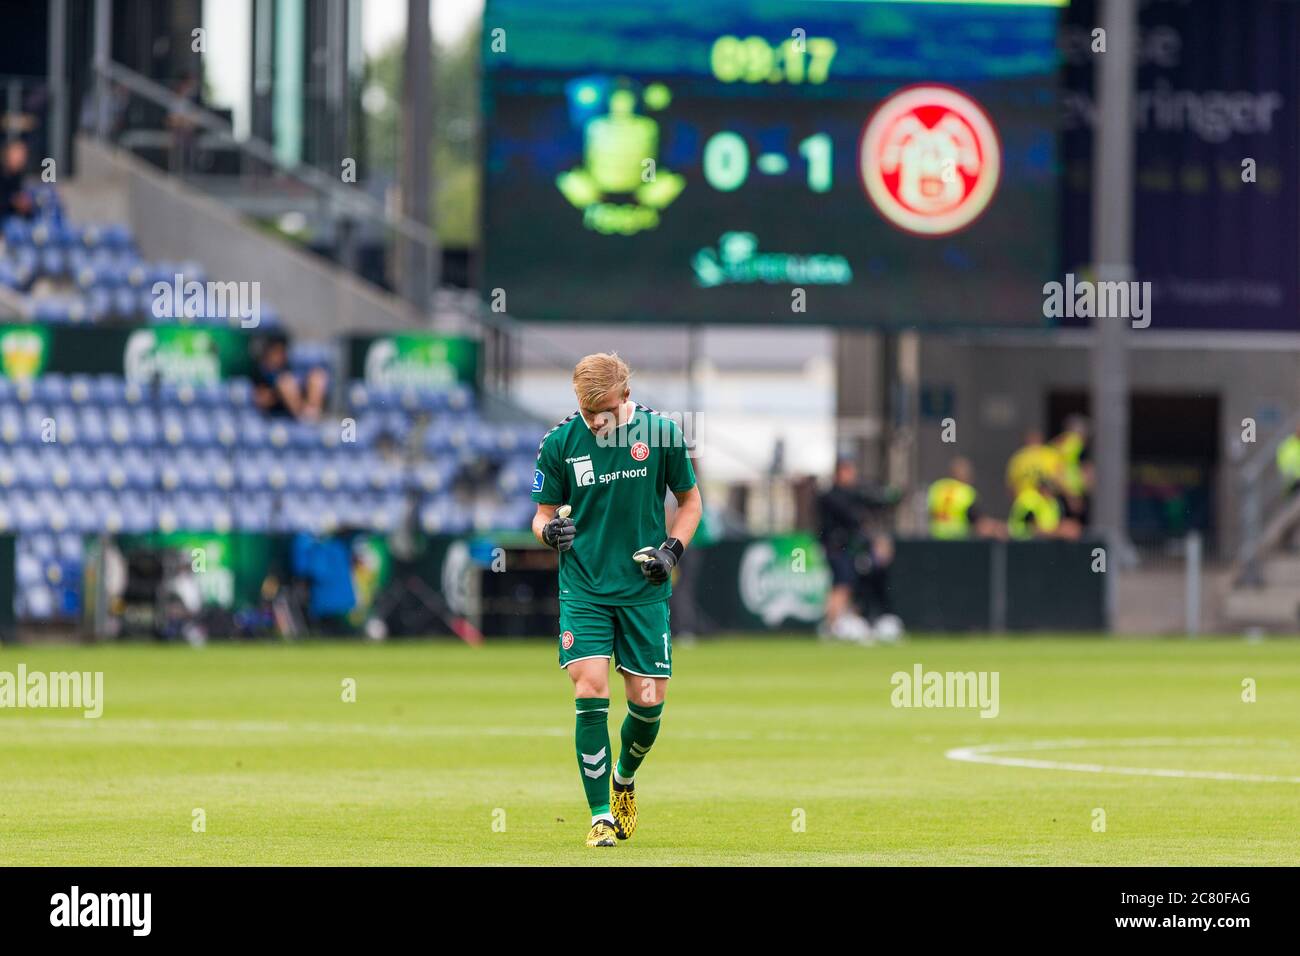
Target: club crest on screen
<point>930,160</point>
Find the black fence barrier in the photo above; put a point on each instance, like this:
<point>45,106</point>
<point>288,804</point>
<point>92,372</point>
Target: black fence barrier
<point>780,583</point>
<point>7,586</point>
<point>504,584</point>
<point>943,585</point>
<point>998,586</point>
<point>1051,586</point>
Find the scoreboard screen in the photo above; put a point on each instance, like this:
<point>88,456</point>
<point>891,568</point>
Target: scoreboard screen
<point>770,161</point>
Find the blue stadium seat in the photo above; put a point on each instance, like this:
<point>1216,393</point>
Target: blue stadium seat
<point>17,233</point>
<point>9,275</point>
<point>239,391</point>
<point>145,431</point>
<point>52,310</point>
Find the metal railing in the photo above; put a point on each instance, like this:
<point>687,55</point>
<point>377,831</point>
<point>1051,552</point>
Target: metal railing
<point>24,110</point>
<point>259,174</point>
<point>1268,511</point>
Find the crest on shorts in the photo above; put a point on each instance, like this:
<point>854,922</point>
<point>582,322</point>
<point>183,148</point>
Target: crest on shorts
<point>566,640</point>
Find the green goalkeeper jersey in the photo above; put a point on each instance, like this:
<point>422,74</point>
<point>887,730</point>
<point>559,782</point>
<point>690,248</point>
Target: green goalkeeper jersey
<point>616,487</point>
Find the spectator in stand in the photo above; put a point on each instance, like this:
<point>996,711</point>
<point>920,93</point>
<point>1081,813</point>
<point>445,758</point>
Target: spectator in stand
<point>953,506</point>
<point>1038,512</point>
<point>1076,468</point>
<point>1288,461</point>
<point>277,390</point>
<point>15,199</point>
<point>1034,464</point>
<point>1049,484</point>
<point>181,120</point>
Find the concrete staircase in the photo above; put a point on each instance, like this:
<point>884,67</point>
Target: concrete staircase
<point>172,221</point>
<point>1152,600</point>
<point>1273,605</point>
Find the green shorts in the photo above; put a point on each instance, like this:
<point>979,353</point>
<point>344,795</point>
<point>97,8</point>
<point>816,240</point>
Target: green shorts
<point>636,636</point>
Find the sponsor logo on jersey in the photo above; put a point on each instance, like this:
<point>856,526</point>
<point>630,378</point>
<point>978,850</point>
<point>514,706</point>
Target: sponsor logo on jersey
<point>583,472</point>
<point>640,451</point>
<point>566,640</point>
<point>624,473</point>
<point>538,479</point>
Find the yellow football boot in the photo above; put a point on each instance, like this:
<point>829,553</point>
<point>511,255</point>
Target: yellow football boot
<point>623,806</point>
<point>602,834</point>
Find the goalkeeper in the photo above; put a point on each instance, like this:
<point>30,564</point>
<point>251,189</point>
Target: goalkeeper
<point>601,482</point>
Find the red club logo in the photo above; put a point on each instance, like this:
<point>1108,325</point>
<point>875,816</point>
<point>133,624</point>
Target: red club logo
<point>930,160</point>
<point>640,451</point>
<point>566,640</point>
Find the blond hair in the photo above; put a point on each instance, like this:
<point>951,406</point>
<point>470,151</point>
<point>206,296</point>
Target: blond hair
<point>597,375</point>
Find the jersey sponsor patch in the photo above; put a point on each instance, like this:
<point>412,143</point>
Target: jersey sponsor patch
<point>566,640</point>
<point>584,473</point>
<point>538,479</point>
<point>640,451</point>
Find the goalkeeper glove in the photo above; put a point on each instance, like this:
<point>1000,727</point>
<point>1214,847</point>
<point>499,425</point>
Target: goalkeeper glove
<point>560,531</point>
<point>657,563</point>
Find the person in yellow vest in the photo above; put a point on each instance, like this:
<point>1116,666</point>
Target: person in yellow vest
<point>1288,461</point>
<point>952,504</point>
<point>1035,463</point>
<point>1076,470</point>
<point>1036,512</point>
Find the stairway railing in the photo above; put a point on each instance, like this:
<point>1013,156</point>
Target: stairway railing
<point>1268,511</point>
<point>342,205</point>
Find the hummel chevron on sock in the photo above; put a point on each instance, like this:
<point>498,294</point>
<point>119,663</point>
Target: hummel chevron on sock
<point>592,738</point>
<point>640,727</point>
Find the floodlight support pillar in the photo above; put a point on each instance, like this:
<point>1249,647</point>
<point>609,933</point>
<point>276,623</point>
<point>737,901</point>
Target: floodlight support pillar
<point>862,376</point>
<point>58,84</point>
<point>1115,81</point>
<point>417,260</point>
<point>102,54</point>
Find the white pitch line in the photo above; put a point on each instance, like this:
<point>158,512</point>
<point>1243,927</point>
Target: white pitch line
<point>991,754</point>
<point>108,725</point>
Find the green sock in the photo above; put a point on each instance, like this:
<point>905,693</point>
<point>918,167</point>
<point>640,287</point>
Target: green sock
<point>592,738</point>
<point>640,727</point>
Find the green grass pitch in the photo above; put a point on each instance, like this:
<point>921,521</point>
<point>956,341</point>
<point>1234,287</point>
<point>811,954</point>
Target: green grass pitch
<point>455,755</point>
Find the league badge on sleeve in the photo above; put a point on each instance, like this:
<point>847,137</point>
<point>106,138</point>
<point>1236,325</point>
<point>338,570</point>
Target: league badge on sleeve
<point>538,480</point>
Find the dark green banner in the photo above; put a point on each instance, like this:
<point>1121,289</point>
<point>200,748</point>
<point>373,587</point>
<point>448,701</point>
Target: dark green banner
<point>778,582</point>
<point>166,353</point>
<point>423,360</point>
